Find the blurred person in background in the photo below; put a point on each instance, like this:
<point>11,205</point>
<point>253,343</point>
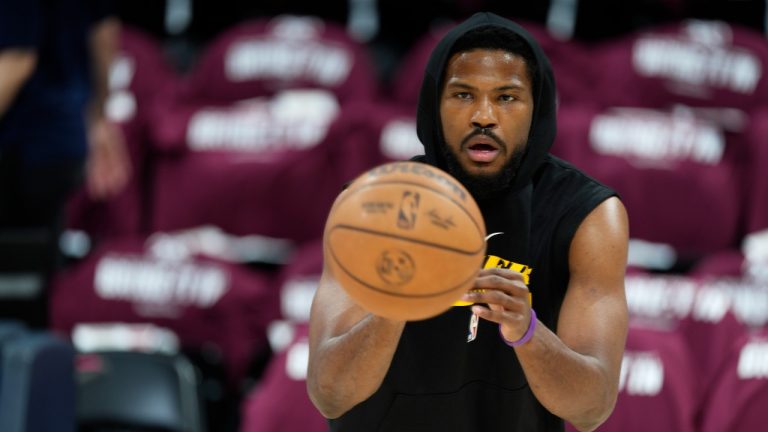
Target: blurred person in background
<point>55,57</point>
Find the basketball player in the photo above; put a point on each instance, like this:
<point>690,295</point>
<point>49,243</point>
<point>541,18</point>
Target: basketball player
<point>543,339</point>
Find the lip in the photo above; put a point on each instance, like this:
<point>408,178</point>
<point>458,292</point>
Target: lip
<point>482,150</point>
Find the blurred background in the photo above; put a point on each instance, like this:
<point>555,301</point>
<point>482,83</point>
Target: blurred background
<point>160,250</point>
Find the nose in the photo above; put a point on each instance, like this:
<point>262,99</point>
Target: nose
<point>484,115</point>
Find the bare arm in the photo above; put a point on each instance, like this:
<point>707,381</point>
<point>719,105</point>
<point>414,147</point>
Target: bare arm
<point>108,166</point>
<point>104,42</point>
<point>574,373</point>
<point>16,66</point>
<point>350,350</point>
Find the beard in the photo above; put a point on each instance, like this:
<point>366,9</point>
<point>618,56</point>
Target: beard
<point>484,186</point>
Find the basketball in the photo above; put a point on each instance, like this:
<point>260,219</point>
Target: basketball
<point>405,240</point>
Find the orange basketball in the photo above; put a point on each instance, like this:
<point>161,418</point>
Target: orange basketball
<point>405,240</point>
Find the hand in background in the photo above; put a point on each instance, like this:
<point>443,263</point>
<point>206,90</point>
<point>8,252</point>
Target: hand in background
<point>108,167</point>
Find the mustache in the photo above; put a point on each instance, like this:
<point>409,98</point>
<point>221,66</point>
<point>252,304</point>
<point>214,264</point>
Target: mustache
<point>487,132</point>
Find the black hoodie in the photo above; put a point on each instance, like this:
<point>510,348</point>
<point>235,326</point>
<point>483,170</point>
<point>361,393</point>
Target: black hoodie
<point>437,380</point>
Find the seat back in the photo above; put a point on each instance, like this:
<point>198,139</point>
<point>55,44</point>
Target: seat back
<point>738,397</point>
<point>669,167</point>
<point>206,302</point>
<point>138,391</point>
<point>256,156</point>
<point>38,390</point>
<point>279,402</point>
<point>262,57</point>
<point>755,245</point>
<point>655,378</point>
<point>692,62</point>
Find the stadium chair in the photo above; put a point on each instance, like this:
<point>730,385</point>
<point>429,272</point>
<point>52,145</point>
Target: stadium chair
<point>679,175</point>
<point>211,304</point>
<point>727,263</point>
<point>255,123</point>
<point>259,157</point>
<point>693,62</point>
<point>252,132</point>
<point>378,133</point>
<point>298,281</point>
<point>755,246</point>
<point>409,73</point>
<point>10,329</point>
<point>706,313</point>
<point>279,402</point>
<point>37,382</point>
<point>264,56</point>
<point>656,391</point>
<point>738,397</point>
<point>139,75</point>
<point>137,391</point>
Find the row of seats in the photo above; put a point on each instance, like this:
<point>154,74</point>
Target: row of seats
<point>237,163</point>
<point>672,118</point>
<point>47,386</point>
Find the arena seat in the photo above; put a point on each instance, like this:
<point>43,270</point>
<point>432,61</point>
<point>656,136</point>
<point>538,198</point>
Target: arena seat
<point>656,390</point>
<point>10,329</point>
<point>298,280</point>
<point>738,397</point>
<point>707,313</point>
<point>137,391</point>
<point>37,385</point>
<point>255,124</point>
<point>263,56</point>
<point>279,402</point>
<point>379,133</point>
<point>755,245</point>
<point>701,63</point>
<point>269,159</point>
<point>210,303</point>
<point>678,174</point>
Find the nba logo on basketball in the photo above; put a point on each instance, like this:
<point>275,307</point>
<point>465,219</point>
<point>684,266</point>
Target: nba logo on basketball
<point>409,205</point>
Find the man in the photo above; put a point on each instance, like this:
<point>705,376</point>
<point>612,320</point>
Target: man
<point>54,61</point>
<point>487,115</point>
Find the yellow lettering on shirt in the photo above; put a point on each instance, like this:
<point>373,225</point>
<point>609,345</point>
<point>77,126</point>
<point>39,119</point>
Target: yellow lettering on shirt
<point>492,261</point>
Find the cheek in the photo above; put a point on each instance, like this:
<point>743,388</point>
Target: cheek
<point>521,132</point>
<point>451,129</point>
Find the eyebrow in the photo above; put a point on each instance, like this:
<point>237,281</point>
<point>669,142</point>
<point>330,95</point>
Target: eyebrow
<point>500,88</point>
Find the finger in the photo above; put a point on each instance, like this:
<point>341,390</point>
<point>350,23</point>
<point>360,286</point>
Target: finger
<point>489,314</point>
<point>498,298</point>
<point>515,287</point>
<point>502,272</point>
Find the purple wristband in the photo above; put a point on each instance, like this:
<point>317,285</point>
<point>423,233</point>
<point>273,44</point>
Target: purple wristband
<point>528,333</point>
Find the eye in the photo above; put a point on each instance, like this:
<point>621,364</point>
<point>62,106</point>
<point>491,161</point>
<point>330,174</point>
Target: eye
<point>462,95</point>
<point>507,98</point>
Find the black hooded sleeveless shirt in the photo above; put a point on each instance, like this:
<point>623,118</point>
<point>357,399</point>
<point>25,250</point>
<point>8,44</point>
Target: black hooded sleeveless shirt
<point>438,381</point>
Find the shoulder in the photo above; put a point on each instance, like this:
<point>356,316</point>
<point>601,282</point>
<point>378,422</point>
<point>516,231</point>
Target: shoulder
<point>558,172</point>
<point>561,188</point>
<point>563,197</point>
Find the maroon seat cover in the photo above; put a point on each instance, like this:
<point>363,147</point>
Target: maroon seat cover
<point>207,302</point>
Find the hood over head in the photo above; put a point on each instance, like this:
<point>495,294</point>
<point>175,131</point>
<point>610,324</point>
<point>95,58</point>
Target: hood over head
<point>543,126</point>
